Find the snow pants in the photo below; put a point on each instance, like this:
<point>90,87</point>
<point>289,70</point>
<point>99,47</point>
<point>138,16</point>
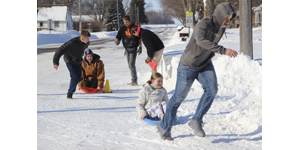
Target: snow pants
<point>157,110</point>
<point>91,84</point>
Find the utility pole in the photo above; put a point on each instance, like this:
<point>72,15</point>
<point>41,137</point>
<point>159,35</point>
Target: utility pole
<point>79,18</point>
<point>135,14</point>
<point>246,44</point>
<point>118,14</point>
<point>138,16</point>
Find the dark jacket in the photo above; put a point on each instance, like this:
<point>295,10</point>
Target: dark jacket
<point>95,70</point>
<point>72,50</point>
<point>204,41</point>
<point>151,41</point>
<point>128,42</point>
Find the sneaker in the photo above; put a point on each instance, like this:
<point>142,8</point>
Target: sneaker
<point>69,96</point>
<point>164,136</point>
<point>197,128</point>
<point>133,83</point>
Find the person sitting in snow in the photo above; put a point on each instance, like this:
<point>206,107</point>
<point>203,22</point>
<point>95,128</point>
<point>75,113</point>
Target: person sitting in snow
<point>154,45</point>
<point>195,64</point>
<point>73,50</point>
<point>92,71</point>
<point>152,99</point>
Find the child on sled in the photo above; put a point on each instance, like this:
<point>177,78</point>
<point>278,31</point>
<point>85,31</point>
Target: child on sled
<point>152,99</point>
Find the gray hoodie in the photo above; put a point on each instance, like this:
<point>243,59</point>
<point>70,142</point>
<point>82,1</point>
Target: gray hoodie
<point>204,41</point>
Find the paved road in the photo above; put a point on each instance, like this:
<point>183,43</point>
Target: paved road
<point>93,42</point>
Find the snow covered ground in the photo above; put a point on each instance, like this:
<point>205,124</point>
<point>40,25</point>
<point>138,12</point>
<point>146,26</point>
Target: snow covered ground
<point>110,121</point>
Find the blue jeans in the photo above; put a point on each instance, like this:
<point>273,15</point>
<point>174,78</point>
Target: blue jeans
<point>75,74</point>
<point>131,57</point>
<point>185,78</point>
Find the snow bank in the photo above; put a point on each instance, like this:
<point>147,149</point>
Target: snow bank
<point>44,37</point>
<point>241,78</point>
<point>239,97</point>
<point>101,35</point>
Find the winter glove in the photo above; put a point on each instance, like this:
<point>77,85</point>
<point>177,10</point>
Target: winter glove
<point>117,42</point>
<point>147,60</point>
<point>139,51</point>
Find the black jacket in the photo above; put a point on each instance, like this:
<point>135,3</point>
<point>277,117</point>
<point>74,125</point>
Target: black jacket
<point>128,42</point>
<point>72,50</point>
<point>151,41</point>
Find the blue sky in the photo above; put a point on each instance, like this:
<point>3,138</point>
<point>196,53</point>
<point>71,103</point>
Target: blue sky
<point>156,6</point>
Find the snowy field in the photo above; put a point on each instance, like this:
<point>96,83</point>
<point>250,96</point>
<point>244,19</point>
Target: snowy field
<point>110,121</point>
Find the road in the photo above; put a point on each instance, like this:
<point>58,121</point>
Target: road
<point>97,43</point>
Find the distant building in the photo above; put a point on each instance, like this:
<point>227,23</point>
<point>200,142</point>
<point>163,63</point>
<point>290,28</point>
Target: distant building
<point>87,22</point>
<point>60,15</point>
<point>258,15</point>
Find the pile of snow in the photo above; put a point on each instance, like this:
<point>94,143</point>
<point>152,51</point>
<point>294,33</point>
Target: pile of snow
<point>241,79</point>
<point>239,97</point>
<point>46,37</point>
<point>103,35</point>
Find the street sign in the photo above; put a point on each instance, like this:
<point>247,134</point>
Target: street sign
<point>49,22</point>
<point>189,19</point>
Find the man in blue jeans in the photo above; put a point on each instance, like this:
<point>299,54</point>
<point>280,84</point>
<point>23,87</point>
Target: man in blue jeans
<point>130,43</point>
<point>195,63</point>
<point>73,51</point>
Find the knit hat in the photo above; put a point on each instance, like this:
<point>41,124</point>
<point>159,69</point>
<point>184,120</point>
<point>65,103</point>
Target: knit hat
<point>88,51</point>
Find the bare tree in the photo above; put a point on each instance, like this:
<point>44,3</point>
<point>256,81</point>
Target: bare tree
<point>126,5</point>
<point>94,8</point>
<point>148,6</point>
<point>178,8</point>
<point>159,17</point>
<point>209,8</point>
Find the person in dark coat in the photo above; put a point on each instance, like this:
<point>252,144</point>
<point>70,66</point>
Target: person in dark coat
<point>154,45</point>
<point>130,43</point>
<point>73,50</point>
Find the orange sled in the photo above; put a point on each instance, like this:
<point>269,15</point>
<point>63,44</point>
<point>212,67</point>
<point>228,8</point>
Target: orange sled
<point>90,90</point>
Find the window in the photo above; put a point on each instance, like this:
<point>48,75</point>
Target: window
<point>56,24</point>
<point>41,24</point>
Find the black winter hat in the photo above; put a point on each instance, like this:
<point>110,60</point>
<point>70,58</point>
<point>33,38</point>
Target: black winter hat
<point>88,51</point>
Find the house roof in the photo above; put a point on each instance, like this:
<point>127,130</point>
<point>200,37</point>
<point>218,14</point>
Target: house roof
<point>54,12</point>
<point>258,8</point>
<point>85,18</point>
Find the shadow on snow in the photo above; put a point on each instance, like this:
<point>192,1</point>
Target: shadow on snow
<point>240,137</point>
<point>90,109</point>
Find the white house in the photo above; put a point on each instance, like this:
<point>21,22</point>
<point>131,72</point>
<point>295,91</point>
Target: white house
<point>258,15</point>
<point>60,15</point>
<point>88,22</point>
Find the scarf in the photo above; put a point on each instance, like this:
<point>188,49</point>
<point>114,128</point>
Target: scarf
<point>128,30</point>
<point>138,31</point>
